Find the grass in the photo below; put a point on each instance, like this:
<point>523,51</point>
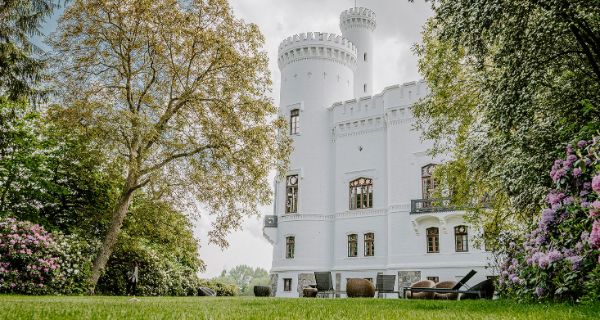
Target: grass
<point>49,307</point>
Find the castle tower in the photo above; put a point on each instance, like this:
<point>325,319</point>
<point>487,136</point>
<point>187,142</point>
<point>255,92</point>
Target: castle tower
<point>317,69</point>
<point>357,25</point>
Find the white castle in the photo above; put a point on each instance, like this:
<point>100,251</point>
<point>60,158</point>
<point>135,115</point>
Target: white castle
<point>357,199</point>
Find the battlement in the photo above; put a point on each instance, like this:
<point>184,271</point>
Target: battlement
<point>317,45</point>
<point>358,17</point>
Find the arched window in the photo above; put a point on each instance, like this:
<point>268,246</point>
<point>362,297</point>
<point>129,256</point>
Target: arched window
<point>295,121</point>
<point>352,245</point>
<point>290,244</point>
<point>291,188</point>
<point>369,244</point>
<point>433,240</point>
<point>361,193</point>
<point>461,238</point>
<point>427,181</point>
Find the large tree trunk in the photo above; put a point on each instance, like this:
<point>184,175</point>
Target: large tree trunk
<point>111,237</point>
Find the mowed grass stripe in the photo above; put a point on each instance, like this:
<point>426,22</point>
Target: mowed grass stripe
<point>46,307</point>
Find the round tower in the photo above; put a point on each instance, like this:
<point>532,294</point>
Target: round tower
<point>357,25</point>
<point>317,70</point>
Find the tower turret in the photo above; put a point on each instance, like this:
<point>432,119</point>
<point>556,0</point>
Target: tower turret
<point>357,25</point>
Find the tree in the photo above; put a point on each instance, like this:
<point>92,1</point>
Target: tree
<point>245,277</point>
<point>49,175</point>
<point>178,93</point>
<point>512,82</point>
<point>19,68</point>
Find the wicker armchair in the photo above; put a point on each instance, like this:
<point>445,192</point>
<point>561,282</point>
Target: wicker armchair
<point>421,295</point>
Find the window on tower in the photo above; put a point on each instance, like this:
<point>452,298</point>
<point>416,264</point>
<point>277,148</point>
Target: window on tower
<point>369,244</point>
<point>461,238</point>
<point>352,245</point>
<point>433,240</point>
<point>295,121</point>
<point>361,193</point>
<point>287,284</point>
<point>365,57</point>
<point>365,87</point>
<point>427,181</point>
<point>291,186</point>
<point>290,247</point>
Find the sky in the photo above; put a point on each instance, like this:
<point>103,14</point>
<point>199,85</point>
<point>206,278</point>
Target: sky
<point>399,24</point>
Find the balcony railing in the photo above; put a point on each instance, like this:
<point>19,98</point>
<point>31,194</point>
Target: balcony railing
<point>270,221</point>
<point>430,205</point>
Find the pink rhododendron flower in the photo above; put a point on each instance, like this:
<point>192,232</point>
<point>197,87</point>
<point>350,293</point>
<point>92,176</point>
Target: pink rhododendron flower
<point>596,184</point>
<point>594,239</point>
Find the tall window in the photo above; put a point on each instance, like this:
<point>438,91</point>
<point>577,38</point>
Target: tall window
<point>461,238</point>
<point>352,245</point>
<point>369,244</point>
<point>365,57</point>
<point>295,121</point>
<point>365,87</point>
<point>287,284</point>
<point>361,193</point>
<point>433,240</point>
<point>290,246</point>
<point>291,187</point>
<point>427,181</point>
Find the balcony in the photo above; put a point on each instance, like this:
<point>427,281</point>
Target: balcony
<point>270,222</point>
<point>418,206</point>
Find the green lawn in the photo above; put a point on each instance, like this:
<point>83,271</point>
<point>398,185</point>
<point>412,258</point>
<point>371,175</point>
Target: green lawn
<point>20,307</point>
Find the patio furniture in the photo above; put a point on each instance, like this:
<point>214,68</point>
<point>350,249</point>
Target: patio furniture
<point>485,287</point>
<point>310,292</point>
<point>455,289</point>
<point>385,284</point>
<point>412,292</point>
<point>359,288</point>
<point>324,284</point>
<point>445,295</point>
<point>262,291</point>
<point>206,292</point>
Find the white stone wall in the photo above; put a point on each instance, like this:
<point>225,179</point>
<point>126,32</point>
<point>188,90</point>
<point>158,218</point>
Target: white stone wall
<point>342,138</point>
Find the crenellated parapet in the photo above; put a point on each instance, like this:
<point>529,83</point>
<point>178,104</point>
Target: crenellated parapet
<point>358,17</point>
<point>317,45</point>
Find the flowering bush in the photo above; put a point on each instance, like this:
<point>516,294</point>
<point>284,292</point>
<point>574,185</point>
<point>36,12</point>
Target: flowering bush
<point>34,261</point>
<point>559,259</point>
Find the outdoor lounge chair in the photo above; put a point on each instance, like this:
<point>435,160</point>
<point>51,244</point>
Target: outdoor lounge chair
<point>445,295</point>
<point>324,284</point>
<point>416,294</point>
<point>385,284</point>
<point>456,289</point>
<point>486,289</point>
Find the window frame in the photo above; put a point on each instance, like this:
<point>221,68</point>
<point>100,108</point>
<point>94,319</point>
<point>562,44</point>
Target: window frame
<point>369,244</point>
<point>432,240</point>
<point>294,121</point>
<point>461,236</point>
<point>290,247</point>
<point>291,193</point>
<point>428,183</point>
<point>287,284</point>
<point>364,199</point>
<point>352,241</point>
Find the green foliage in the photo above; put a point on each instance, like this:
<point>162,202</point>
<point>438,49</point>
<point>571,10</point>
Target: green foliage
<point>222,288</point>
<point>511,84</point>
<point>20,69</point>
<point>50,175</point>
<point>245,278</point>
<point>160,240</point>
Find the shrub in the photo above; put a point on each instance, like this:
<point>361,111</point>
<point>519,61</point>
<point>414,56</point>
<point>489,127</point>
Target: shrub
<point>220,287</point>
<point>35,261</point>
<point>559,258</point>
